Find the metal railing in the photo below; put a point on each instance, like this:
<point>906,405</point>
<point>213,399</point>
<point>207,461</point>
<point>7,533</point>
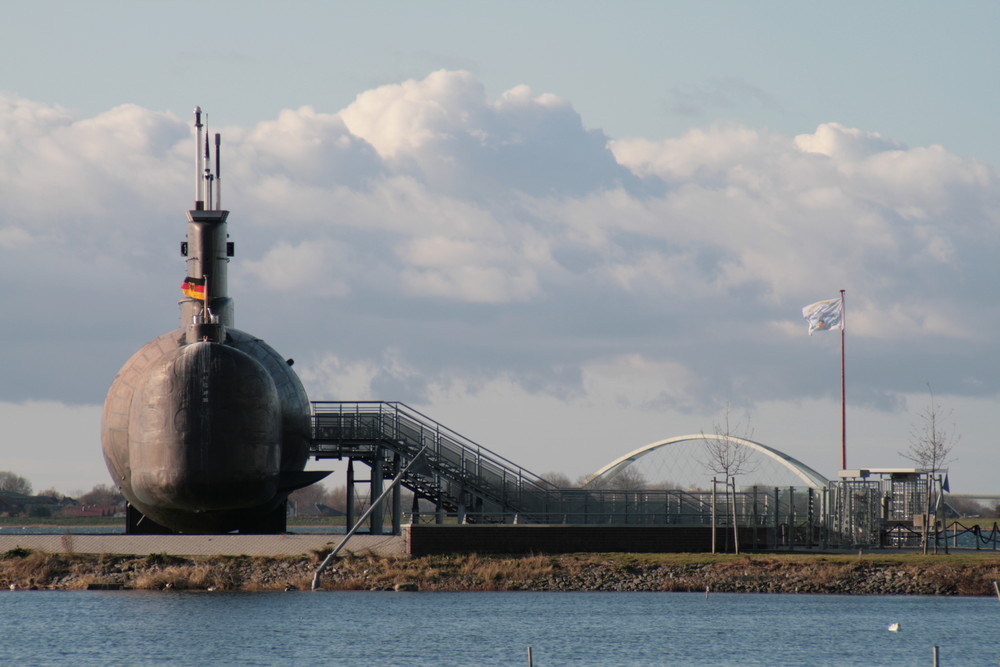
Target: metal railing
<point>459,473</point>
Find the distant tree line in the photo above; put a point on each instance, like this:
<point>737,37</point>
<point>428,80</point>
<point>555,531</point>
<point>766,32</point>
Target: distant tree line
<point>17,497</point>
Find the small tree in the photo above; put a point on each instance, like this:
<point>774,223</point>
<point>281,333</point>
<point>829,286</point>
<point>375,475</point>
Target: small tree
<point>10,481</point>
<point>930,448</point>
<point>722,455</point>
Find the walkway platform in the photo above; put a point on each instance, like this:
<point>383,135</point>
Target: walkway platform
<point>204,545</point>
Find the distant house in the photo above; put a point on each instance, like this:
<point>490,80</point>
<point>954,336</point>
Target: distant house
<point>90,510</point>
<point>19,504</point>
<point>11,503</point>
<point>312,510</point>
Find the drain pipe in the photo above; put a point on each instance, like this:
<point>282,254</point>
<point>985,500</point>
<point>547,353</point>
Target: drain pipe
<point>377,503</point>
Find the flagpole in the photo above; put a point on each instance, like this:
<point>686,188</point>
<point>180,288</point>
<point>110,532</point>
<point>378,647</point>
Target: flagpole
<point>843,391</point>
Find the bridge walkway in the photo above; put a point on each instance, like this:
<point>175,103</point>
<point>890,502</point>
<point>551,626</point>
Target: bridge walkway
<point>458,475</point>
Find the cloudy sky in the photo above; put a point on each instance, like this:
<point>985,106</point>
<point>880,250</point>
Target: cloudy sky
<point>564,231</point>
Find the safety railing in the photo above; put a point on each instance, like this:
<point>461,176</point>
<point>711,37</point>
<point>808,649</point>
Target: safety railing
<point>460,472</point>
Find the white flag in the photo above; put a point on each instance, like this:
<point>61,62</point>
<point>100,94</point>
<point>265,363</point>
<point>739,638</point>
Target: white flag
<point>824,315</point>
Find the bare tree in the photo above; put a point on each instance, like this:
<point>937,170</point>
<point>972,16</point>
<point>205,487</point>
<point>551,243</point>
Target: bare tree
<point>626,479</point>
<point>558,479</point>
<point>336,498</point>
<point>966,507</point>
<point>10,481</point>
<point>723,455</point>
<point>102,494</point>
<point>931,444</point>
<point>309,497</point>
<point>930,441</point>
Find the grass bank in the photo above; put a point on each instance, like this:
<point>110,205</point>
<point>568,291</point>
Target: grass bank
<point>870,574</point>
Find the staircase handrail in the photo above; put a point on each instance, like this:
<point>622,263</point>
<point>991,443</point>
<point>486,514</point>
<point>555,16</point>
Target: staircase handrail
<point>398,408</point>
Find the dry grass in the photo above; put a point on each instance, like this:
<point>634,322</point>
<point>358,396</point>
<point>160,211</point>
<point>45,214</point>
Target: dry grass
<point>181,577</point>
<point>963,574</point>
<point>431,573</point>
<point>33,569</point>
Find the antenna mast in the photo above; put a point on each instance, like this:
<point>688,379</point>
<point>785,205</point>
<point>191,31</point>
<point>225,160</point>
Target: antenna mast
<point>208,173</point>
<point>199,200</point>
<point>218,171</point>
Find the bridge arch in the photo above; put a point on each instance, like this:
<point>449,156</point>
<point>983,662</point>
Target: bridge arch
<point>808,476</point>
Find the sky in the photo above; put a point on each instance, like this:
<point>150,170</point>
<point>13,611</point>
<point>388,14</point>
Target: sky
<point>564,230</point>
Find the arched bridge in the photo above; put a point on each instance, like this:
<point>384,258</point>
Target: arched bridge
<point>809,477</point>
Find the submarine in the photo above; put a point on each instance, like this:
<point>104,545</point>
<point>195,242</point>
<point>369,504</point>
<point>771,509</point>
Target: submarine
<point>206,428</point>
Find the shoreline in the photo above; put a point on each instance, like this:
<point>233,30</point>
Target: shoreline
<point>970,574</point>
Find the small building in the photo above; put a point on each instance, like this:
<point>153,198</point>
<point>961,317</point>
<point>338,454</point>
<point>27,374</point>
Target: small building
<point>887,507</point>
<point>99,511</point>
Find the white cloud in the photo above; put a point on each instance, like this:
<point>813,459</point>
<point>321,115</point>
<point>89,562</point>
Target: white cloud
<point>701,154</point>
<point>845,143</point>
<point>468,270</point>
<point>334,379</point>
<point>83,169</point>
<point>314,267</point>
<point>636,382</point>
<point>474,284</point>
<point>445,131</point>
<point>305,148</point>
<point>405,117</point>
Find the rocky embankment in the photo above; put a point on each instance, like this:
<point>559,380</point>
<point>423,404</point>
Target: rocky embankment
<point>944,575</point>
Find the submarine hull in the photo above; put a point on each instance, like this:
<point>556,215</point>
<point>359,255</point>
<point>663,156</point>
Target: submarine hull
<point>207,437</point>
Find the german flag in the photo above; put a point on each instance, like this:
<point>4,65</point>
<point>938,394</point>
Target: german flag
<point>194,288</point>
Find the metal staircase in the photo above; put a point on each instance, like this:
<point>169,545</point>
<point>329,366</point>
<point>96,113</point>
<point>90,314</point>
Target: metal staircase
<point>458,475</point>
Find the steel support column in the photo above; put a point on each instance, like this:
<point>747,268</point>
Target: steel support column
<point>349,511</point>
<point>397,499</point>
<point>375,521</point>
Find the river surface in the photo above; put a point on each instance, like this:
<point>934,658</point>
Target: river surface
<point>363,628</point>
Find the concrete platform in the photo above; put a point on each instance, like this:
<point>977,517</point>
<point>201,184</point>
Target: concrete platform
<point>430,539</point>
<point>204,545</point>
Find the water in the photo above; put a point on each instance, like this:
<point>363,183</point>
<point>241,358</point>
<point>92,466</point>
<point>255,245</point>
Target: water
<point>396,629</point>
